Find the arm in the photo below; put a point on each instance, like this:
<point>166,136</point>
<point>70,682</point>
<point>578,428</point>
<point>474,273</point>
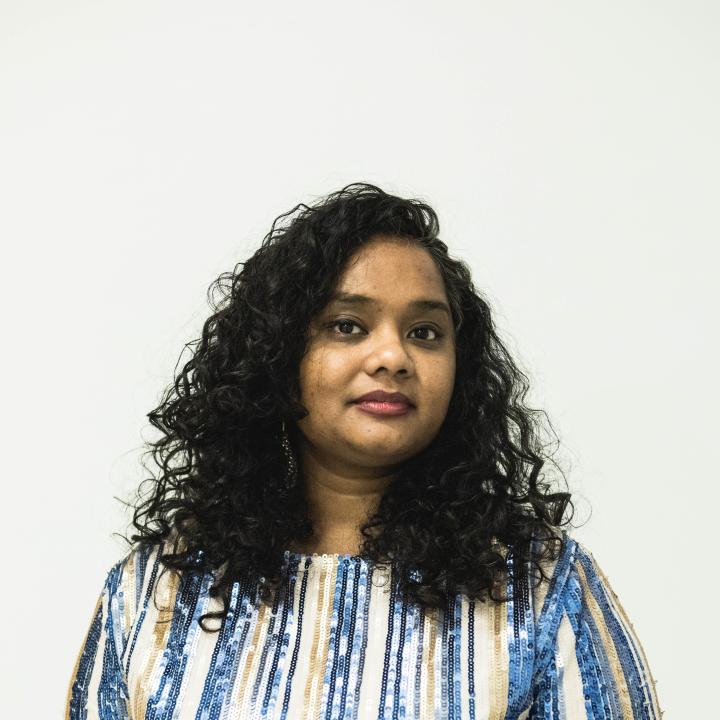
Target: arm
<point>596,667</point>
<point>98,687</point>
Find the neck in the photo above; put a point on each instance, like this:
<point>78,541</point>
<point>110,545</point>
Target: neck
<point>340,498</point>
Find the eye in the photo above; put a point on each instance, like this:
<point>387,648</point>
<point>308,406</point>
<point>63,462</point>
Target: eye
<point>424,328</point>
<point>431,329</point>
<point>344,322</point>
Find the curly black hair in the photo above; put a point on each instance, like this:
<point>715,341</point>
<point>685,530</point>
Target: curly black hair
<point>459,516</point>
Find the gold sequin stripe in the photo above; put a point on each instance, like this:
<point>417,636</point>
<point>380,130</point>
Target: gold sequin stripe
<point>250,665</point>
<point>499,662</point>
<point>150,661</point>
<point>429,660</point>
<point>129,586</point>
<point>319,651</point>
<point>607,641</point>
<point>245,629</point>
<point>614,602</point>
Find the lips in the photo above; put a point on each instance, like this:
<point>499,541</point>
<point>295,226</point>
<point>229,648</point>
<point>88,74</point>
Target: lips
<point>382,396</point>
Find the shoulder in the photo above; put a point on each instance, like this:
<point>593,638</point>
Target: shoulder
<point>136,577</point>
<point>553,550</point>
<point>558,555</point>
<point>575,572</point>
<point>568,553</point>
<point>131,576</point>
<point>142,574</point>
<point>577,590</point>
<point>143,560</point>
<point>584,633</point>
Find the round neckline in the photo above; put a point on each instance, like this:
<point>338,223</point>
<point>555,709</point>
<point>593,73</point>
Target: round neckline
<point>327,557</point>
<point>313,563</point>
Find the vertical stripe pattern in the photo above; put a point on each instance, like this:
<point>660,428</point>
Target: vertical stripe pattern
<point>341,643</point>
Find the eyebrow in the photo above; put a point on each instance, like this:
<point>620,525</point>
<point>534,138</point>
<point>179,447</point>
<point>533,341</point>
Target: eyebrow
<point>344,298</point>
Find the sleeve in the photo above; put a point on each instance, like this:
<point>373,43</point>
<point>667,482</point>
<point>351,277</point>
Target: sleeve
<point>98,687</point>
<point>595,666</point>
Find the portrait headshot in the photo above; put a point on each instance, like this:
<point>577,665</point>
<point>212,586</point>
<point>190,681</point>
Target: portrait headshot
<point>367,364</point>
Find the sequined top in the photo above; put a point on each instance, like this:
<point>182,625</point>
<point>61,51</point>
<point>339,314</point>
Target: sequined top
<point>340,643</point>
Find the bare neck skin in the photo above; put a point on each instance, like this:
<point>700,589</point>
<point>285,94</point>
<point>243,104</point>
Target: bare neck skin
<point>340,498</point>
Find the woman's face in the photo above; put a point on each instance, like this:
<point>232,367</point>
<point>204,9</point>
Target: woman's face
<point>387,342</point>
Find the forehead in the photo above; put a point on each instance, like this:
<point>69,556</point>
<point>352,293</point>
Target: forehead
<point>391,269</point>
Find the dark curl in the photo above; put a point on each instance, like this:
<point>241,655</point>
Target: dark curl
<point>461,515</point>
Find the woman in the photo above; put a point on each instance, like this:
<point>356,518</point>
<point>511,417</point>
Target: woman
<point>350,505</point>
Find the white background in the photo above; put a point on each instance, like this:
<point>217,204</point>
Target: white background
<point>571,151</point>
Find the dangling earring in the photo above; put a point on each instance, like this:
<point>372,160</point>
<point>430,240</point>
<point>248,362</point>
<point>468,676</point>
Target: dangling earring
<point>292,474</point>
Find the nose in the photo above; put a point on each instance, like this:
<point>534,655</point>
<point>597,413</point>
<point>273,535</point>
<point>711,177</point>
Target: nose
<point>388,351</point>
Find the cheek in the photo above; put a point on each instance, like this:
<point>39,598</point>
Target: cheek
<point>440,386</point>
<point>441,376</point>
<point>324,375</point>
<point>334,369</point>
<point>451,379</point>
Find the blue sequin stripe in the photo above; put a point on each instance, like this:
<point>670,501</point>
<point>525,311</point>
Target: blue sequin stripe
<point>386,656</point>
<point>353,635</point>
<point>248,620</point>
<point>471,657</point>
<point>548,703</point>
<point>399,693</point>
<point>404,661</point>
<point>117,608</point>
<point>298,638</point>
<point>630,659</point>
<point>449,701</point>
<point>521,637</point>
<point>223,655</point>
<point>598,680</point>
<point>142,554</point>
<point>269,642</point>
<point>410,677</point>
<point>281,639</point>
<point>454,641</point>
<point>358,658</point>
<point>78,700</point>
<point>552,610</point>
<point>112,690</point>
<point>190,601</point>
<point>513,642</point>
<point>389,656</point>
<point>336,632</point>
<point>141,558</point>
<point>589,657</point>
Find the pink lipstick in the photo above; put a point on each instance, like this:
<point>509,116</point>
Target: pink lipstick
<point>379,402</point>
